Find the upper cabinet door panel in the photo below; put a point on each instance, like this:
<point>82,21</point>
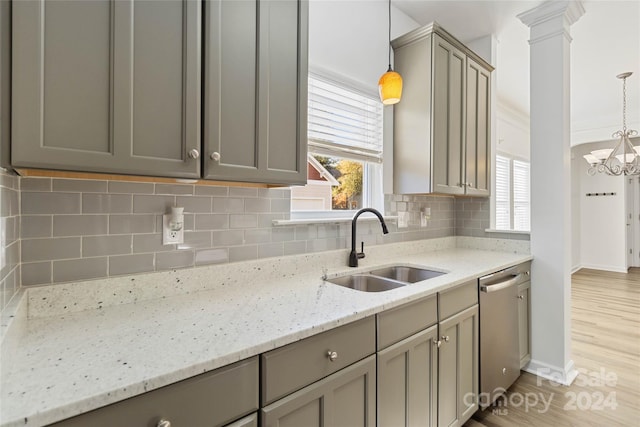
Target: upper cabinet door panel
<point>61,100</point>
<point>256,91</point>
<point>448,116</point>
<point>93,92</point>
<point>283,89</point>
<point>230,88</point>
<point>478,139</point>
<point>158,78</point>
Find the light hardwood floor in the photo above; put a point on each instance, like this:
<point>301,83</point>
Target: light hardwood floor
<point>605,327</point>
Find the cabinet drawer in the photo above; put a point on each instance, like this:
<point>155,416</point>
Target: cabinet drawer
<point>457,299</point>
<point>212,399</point>
<point>401,322</point>
<point>289,368</point>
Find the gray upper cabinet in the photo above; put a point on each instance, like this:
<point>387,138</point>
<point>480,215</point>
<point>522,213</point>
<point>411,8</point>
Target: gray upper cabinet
<point>107,86</point>
<point>448,116</point>
<point>441,126</point>
<point>478,121</point>
<point>255,91</point>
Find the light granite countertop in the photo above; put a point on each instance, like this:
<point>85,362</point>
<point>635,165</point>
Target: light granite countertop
<point>75,347</point>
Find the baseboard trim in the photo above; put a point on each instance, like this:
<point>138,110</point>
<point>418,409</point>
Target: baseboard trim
<point>564,376</point>
<point>615,269</point>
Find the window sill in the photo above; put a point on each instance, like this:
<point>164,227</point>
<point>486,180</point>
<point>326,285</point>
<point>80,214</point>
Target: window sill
<point>493,230</point>
<point>308,221</point>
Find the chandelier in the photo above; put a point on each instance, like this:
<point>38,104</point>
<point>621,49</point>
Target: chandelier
<point>624,159</point>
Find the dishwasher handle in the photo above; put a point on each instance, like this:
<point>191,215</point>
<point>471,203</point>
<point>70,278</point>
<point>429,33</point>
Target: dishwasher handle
<point>500,285</point>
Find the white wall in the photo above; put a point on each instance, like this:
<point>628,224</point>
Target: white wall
<point>602,233</point>
<point>513,132</point>
<point>349,39</point>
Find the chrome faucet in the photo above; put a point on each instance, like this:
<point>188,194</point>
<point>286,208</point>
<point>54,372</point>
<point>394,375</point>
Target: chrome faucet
<point>354,256</point>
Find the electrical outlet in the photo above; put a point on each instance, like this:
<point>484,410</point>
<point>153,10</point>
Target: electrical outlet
<point>169,236</point>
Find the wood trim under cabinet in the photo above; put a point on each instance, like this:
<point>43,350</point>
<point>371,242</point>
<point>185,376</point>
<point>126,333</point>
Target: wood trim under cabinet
<point>110,177</point>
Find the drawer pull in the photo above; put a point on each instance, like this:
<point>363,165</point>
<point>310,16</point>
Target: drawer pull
<point>332,355</point>
<point>164,423</point>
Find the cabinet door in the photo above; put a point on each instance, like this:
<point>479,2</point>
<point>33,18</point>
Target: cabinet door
<point>107,86</point>
<point>256,91</point>
<point>449,95</point>
<point>407,381</point>
<point>346,398</point>
<point>458,368</point>
<point>248,421</point>
<point>523,323</point>
<point>478,140</point>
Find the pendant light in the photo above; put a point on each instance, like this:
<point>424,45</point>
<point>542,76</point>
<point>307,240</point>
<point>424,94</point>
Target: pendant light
<point>390,84</point>
<point>624,159</point>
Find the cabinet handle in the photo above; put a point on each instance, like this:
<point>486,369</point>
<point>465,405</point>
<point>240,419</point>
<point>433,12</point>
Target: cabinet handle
<point>520,297</point>
<point>194,154</point>
<point>163,423</point>
<point>445,338</point>
<point>332,355</point>
<point>215,156</point>
<point>437,343</point>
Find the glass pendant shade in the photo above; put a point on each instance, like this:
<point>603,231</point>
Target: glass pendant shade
<point>390,87</point>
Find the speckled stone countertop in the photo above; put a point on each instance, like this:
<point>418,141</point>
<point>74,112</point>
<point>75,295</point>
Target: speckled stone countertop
<point>75,347</point>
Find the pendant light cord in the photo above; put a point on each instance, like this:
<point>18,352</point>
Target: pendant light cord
<point>389,47</point>
<point>624,105</point>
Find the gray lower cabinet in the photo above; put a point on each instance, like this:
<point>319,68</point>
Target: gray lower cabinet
<point>524,309</point>
<point>408,381</point>
<point>346,398</point>
<point>255,91</point>
<point>458,368</point>
<point>107,86</point>
<point>212,399</point>
<point>248,421</point>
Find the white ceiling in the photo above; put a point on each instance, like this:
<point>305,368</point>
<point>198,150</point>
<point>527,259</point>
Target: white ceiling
<point>606,42</point>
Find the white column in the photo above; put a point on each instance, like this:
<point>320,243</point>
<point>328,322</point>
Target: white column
<point>551,188</point>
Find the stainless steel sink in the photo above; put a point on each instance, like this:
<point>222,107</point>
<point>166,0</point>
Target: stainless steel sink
<point>367,283</point>
<point>406,274</point>
<point>385,279</point>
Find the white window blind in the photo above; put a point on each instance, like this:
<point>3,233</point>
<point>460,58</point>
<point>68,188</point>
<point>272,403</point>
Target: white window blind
<point>521,188</point>
<point>513,210</point>
<point>343,120</point>
<point>503,193</point>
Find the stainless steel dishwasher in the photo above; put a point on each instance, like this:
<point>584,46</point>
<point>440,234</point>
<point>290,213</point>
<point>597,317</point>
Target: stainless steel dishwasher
<point>499,340</point>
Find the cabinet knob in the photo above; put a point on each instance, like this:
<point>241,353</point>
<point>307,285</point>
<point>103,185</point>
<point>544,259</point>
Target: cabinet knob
<point>469,184</point>
<point>163,423</point>
<point>445,338</point>
<point>437,343</point>
<point>332,355</point>
<point>520,297</point>
<point>215,156</point>
<point>194,154</point>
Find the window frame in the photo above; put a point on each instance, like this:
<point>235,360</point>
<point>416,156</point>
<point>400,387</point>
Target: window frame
<point>512,189</point>
<point>372,161</point>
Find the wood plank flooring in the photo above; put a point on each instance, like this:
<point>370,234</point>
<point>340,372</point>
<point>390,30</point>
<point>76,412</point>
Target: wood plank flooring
<point>605,327</point>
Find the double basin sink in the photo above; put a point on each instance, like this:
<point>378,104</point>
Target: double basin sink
<point>385,279</point>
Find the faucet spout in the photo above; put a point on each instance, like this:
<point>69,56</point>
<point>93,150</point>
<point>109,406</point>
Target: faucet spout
<point>354,256</point>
